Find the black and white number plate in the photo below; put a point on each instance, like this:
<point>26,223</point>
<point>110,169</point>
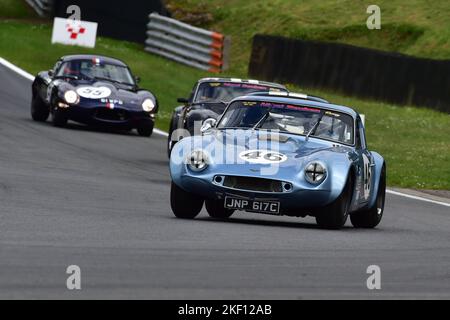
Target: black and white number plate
<point>268,207</point>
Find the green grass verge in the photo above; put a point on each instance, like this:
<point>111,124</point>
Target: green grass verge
<point>16,9</point>
<point>414,27</point>
<point>413,141</point>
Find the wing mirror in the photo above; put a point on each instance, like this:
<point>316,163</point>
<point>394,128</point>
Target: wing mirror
<point>137,79</point>
<point>51,73</point>
<point>183,100</point>
<point>208,124</point>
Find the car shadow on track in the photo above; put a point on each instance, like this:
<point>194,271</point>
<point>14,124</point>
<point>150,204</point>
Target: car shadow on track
<point>267,223</point>
<point>87,128</point>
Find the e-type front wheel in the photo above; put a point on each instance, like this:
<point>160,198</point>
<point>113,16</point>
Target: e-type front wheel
<point>184,204</point>
<point>39,110</point>
<point>371,218</point>
<point>145,131</point>
<point>59,118</point>
<point>335,214</point>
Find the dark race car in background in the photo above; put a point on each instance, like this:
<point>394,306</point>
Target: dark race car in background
<point>93,90</point>
<point>208,100</point>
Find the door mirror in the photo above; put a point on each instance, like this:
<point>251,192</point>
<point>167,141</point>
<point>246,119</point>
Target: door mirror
<point>137,79</point>
<point>208,124</point>
<point>51,73</point>
<point>183,100</point>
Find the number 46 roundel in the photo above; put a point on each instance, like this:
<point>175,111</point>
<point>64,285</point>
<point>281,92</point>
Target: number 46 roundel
<point>262,156</point>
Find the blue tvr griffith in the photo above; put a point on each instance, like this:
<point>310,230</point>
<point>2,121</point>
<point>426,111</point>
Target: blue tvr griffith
<point>281,154</point>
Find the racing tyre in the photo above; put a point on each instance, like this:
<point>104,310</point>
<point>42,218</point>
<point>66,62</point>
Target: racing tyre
<point>145,131</point>
<point>59,118</point>
<point>184,205</point>
<point>217,210</point>
<point>371,218</point>
<point>39,111</point>
<point>335,214</point>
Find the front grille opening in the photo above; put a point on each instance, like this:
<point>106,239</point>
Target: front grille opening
<point>111,114</point>
<point>253,184</point>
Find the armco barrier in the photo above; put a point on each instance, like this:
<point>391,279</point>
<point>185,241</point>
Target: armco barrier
<point>384,76</point>
<point>42,7</point>
<point>181,42</point>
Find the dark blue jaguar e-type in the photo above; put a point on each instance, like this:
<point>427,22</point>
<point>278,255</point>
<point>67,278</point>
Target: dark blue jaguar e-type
<point>281,154</point>
<point>93,90</point>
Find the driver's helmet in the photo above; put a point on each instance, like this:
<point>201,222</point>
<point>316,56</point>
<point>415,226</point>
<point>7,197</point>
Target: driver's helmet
<point>71,68</point>
<point>252,115</point>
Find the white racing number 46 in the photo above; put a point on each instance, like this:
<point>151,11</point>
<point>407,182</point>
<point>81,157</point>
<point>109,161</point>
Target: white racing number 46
<point>262,156</point>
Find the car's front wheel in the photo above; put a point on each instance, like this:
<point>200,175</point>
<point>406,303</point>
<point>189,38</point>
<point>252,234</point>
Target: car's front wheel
<point>184,204</point>
<point>145,131</point>
<point>216,209</point>
<point>39,110</point>
<point>59,118</point>
<point>335,214</point>
<point>371,218</point>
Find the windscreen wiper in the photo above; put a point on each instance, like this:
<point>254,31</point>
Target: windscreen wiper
<point>263,119</point>
<point>314,128</point>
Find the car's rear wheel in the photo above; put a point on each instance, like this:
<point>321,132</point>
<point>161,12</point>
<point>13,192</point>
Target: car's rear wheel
<point>145,131</point>
<point>184,204</point>
<point>335,214</point>
<point>371,218</point>
<point>216,209</point>
<point>39,110</point>
<point>59,118</point>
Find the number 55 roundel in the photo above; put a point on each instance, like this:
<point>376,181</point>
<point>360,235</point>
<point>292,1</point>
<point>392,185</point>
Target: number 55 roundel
<point>94,92</point>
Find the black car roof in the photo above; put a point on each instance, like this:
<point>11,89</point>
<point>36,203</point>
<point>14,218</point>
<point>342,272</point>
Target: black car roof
<point>263,83</point>
<point>108,60</point>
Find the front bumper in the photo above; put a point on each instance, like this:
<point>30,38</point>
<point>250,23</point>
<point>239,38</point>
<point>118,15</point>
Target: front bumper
<point>116,117</point>
<point>296,202</point>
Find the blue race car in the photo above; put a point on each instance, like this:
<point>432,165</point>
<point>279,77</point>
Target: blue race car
<point>281,154</point>
<point>93,90</point>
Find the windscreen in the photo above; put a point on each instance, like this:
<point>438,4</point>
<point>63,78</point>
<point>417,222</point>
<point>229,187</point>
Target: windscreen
<point>294,119</point>
<point>227,91</point>
<point>87,69</point>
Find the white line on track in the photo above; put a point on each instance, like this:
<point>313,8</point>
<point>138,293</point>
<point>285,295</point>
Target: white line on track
<point>16,69</point>
<point>30,77</point>
<point>417,198</point>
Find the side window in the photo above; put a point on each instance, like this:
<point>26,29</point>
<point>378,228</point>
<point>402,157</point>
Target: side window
<point>56,67</point>
<point>191,96</point>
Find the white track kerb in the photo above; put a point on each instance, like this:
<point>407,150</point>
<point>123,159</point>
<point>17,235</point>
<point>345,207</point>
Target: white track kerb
<point>30,77</point>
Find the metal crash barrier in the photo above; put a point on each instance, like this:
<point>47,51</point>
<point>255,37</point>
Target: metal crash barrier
<point>42,7</point>
<point>181,42</point>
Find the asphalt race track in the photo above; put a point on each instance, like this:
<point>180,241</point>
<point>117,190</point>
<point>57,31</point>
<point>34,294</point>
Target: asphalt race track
<point>100,200</point>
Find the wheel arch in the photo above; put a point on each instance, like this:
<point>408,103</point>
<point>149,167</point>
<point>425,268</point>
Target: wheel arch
<point>380,163</point>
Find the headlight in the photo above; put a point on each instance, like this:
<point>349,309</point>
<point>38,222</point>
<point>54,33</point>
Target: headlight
<point>197,161</point>
<point>71,97</point>
<point>315,172</point>
<point>148,105</point>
